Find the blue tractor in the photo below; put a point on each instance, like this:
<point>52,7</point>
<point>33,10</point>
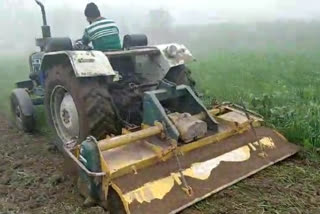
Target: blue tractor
<point>87,92</point>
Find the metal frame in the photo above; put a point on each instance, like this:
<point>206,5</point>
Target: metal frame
<point>154,110</point>
<point>157,130</point>
<point>81,166</point>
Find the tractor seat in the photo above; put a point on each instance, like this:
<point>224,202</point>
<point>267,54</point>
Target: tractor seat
<point>134,41</point>
<point>58,44</point>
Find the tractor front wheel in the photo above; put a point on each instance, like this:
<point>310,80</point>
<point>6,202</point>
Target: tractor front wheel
<point>22,110</point>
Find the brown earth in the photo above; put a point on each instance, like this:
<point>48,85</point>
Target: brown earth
<point>33,180</point>
<point>32,176</point>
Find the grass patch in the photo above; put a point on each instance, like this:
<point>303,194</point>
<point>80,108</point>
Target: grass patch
<point>282,86</point>
<point>13,68</point>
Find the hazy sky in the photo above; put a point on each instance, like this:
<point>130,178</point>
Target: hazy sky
<point>185,11</point>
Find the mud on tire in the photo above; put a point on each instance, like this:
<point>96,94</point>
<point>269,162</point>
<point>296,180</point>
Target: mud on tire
<point>96,112</point>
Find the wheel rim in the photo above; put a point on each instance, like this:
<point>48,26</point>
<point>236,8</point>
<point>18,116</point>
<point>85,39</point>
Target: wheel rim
<point>64,115</point>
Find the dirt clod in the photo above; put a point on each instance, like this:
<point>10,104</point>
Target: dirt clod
<point>17,165</point>
<point>52,148</point>
<point>5,180</point>
<point>56,180</point>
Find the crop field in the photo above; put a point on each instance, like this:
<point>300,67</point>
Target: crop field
<point>281,85</point>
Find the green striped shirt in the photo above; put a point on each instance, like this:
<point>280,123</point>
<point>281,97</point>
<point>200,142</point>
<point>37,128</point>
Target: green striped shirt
<point>104,35</point>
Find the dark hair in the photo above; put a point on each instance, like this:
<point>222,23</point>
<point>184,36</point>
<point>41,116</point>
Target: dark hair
<point>92,11</point>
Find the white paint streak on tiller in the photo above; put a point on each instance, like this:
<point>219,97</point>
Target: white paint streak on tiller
<point>160,188</point>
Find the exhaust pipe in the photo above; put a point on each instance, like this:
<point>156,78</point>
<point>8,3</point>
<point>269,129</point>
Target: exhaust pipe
<point>46,32</point>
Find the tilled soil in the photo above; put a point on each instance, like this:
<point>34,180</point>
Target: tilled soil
<point>32,177</point>
<point>33,180</point>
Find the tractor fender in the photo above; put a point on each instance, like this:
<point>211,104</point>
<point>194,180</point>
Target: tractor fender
<point>84,63</point>
<point>166,60</point>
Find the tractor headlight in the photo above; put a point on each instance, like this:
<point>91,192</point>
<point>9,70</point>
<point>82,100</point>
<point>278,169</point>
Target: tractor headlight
<point>172,51</point>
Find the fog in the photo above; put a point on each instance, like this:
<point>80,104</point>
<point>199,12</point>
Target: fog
<point>199,11</point>
<point>225,23</point>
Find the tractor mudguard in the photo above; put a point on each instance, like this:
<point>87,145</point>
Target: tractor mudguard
<point>84,63</point>
<point>154,62</point>
<point>173,55</point>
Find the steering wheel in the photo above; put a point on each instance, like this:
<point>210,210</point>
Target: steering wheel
<point>78,45</point>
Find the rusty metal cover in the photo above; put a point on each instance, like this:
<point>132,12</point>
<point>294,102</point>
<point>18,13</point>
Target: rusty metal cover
<point>158,189</point>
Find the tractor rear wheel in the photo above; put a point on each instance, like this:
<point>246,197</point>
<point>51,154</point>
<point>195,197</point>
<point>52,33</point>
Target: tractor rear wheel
<point>181,75</point>
<point>78,107</point>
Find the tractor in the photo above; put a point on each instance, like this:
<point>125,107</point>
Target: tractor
<point>135,128</point>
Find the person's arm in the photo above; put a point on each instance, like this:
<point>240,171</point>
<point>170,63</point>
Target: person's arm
<point>86,38</point>
<point>82,43</point>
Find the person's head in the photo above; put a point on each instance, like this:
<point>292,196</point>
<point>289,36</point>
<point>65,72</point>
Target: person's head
<point>92,12</point>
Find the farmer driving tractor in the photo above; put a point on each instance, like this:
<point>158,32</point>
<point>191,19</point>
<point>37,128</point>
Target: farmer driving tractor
<point>102,33</point>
